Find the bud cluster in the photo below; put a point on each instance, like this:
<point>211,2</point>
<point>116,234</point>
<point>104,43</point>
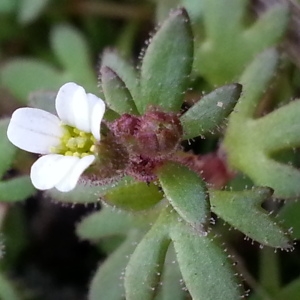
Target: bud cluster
<point>149,139</point>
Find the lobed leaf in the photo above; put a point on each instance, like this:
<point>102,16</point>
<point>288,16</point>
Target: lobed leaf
<point>282,128</point>
<point>255,80</point>
<point>290,215</point>
<point>222,52</point>
<point>241,208</point>
<point>264,32</point>
<point>247,147</point>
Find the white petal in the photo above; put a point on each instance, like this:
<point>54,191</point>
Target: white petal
<point>68,97</point>
<point>78,109</point>
<point>50,169</point>
<point>69,182</point>
<point>97,110</point>
<point>34,130</point>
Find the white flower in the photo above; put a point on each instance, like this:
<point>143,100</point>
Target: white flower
<point>67,140</point>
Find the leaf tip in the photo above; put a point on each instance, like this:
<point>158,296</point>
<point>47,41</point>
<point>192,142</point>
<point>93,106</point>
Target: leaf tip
<point>107,73</point>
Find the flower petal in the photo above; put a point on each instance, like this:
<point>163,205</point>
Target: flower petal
<point>67,98</point>
<point>34,130</point>
<point>78,109</point>
<point>69,182</point>
<point>50,169</point>
<point>97,110</point>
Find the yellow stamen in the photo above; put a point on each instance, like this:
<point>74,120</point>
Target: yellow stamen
<point>75,142</point>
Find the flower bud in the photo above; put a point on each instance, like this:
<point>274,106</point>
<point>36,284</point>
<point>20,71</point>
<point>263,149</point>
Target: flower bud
<point>159,134</point>
<point>124,129</point>
<point>111,161</point>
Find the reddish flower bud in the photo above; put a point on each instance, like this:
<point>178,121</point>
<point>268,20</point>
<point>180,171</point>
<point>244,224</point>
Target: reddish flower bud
<point>159,133</point>
<point>111,161</point>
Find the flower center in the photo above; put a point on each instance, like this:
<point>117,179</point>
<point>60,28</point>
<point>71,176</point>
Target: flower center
<point>75,142</point>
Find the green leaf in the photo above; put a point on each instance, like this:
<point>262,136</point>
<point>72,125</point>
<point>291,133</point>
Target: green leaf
<point>240,208</point>
<point>14,228</point>
<point>284,137</point>
<point>16,189</point>
<point>210,111</point>
<point>205,267</point>
<point>80,194</point>
<point>167,64</point>
<point>133,196</point>
<point>186,192</point>
<point>31,9</point>
<point>222,52</point>
<point>283,178</point>
<point>107,283</point>
<point>43,100</point>
<point>255,80</point>
<point>290,215</point>
<point>258,36</point>
<point>290,291</point>
<point>7,289</point>
<point>116,94</point>
<point>107,222</point>
<point>146,263</point>
<point>163,8</point>
<point>8,6</point>
<point>23,76</point>
<point>171,287</point>
<point>72,50</point>
<point>245,142</point>
<point>123,69</point>
<point>83,193</point>
<point>7,149</point>
<point>269,273</point>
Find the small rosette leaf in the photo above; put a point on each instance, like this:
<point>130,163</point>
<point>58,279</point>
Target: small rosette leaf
<point>146,263</point>
<point>123,69</point>
<point>16,189</point>
<point>167,64</point>
<point>105,223</point>
<point>241,207</point>
<point>187,193</point>
<point>252,142</point>
<point>210,111</point>
<point>222,52</point>
<point>133,196</point>
<point>204,266</point>
<point>117,96</point>
<point>108,281</point>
